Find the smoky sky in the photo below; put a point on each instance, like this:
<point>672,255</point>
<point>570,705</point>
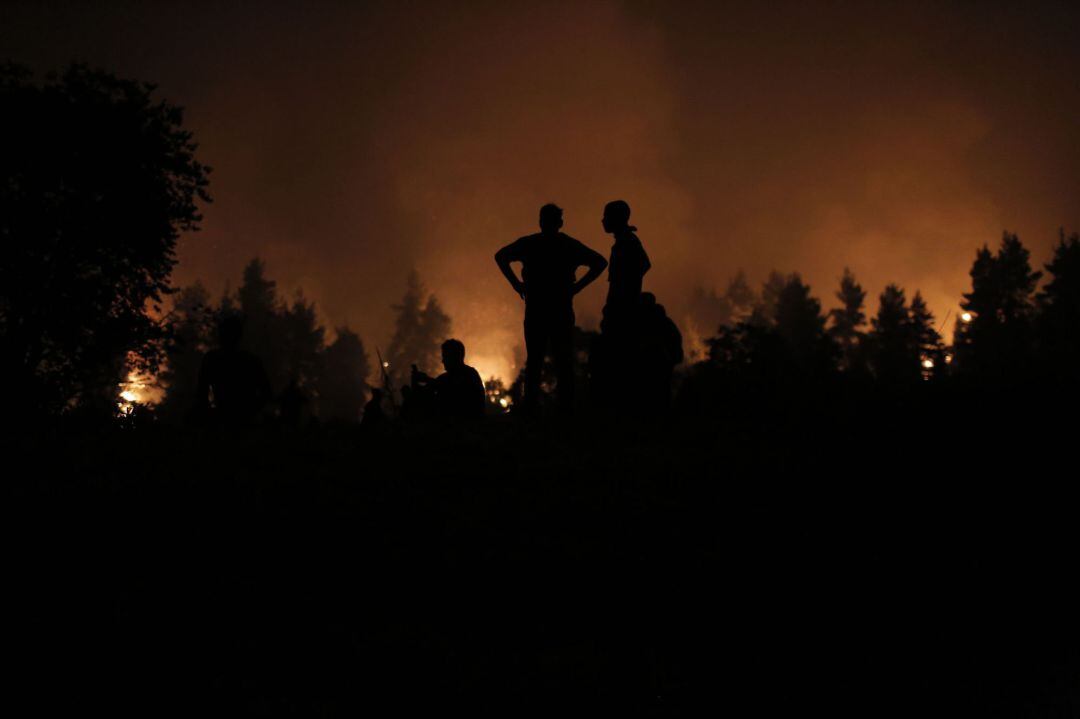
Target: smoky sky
<point>352,142</point>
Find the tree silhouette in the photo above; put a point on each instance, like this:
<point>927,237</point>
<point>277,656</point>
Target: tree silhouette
<point>1059,305</point>
<point>302,341</point>
<point>800,324</point>
<point>99,179</point>
<point>740,297</point>
<point>786,348</point>
<point>894,354</point>
<point>995,341</point>
<point>287,338</point>
<point>192,322</point>
<point>847,322</point>
<point>929,348</point>
<point>420,328</point>
<point>708,309</point>
<point>343,384</point>
<point>258,302</point>
<point>764,312</point>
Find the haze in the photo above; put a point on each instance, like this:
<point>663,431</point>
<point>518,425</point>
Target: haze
<point>351,143</point>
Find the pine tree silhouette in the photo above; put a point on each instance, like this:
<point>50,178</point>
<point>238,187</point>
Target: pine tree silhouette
<point>193,322</point>
<point>847,322</point>
<point>993,340</point>
<point>893,347</point>
<point>343,386</point>
<point>928,344</point>
<point>420,328</point>
<point>1059,305</point>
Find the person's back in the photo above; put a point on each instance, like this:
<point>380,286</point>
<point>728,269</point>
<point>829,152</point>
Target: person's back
<point>459,393</point>
<point>549,267</point>
<point>548,283</point>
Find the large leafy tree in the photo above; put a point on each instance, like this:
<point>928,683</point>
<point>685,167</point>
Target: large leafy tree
<point>98,178</point>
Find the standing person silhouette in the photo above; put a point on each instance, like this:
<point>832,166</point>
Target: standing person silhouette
<point>615,364</point>
<point>548,283</point>
<point>629,263</point>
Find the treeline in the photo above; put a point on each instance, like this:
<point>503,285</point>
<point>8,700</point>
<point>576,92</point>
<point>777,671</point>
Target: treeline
<point>324,378</point>
<point>311,375</point>
<point>1010,332</point>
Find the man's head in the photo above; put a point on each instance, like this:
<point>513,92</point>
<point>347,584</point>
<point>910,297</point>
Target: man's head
<point>550,218</point>
<point>453,354</point>
<point>616,216</point>
<point>230,330</point>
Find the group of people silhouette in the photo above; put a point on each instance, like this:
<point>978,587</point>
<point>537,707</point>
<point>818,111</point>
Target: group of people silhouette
<point>630,364</point>
<point>638,347</point>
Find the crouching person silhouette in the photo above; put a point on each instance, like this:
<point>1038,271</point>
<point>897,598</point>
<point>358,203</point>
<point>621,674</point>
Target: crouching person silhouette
<point>233,388</point>
<point>458,393</point>
<point>550,260</point>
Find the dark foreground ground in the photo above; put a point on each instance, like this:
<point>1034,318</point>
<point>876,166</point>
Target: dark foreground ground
<point>905,561</point>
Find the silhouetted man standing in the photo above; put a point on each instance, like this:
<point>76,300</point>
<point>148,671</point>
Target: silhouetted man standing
<point>548,283</point>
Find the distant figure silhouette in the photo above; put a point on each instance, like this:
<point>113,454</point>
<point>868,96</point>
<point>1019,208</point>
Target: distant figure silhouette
<point>548,283</point>
<point>374,415</point>
<point>458,392</point>
<point>232,381</point>
<point>629,263</point>
<point>661,349</point>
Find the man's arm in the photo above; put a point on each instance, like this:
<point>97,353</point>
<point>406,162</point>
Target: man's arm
<point>503,258</point>
<point>596,264</point>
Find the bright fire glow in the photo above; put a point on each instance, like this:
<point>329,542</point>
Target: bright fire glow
<point>965,316</point>
<point>134,390</point>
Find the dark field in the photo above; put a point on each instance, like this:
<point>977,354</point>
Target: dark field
<point>918,559</point>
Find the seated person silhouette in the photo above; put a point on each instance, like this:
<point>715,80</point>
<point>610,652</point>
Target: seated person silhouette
<point>232,382</point>
<point>548,283</point>
<point>458,392</point>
